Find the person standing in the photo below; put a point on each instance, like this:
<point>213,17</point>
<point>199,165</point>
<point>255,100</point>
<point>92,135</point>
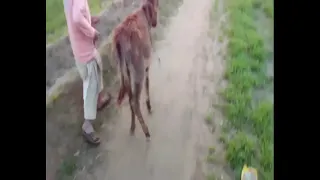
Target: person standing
<point>83,37</point>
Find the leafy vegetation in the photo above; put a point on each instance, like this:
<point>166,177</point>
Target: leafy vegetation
<point>249,118</point>
<point>67,168</point>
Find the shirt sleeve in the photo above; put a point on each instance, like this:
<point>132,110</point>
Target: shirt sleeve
<point>80,20</point>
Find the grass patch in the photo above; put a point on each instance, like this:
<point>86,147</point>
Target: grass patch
<point>209,118</point>
<point>215,6</point>
<point>67,168</point>
<point>212,150</point>
<point>56,21</point>
<point>211,177</point>
<point>266,6</point>
<point>249,117</point>
<point>223,139</point>
<point>211,158</point>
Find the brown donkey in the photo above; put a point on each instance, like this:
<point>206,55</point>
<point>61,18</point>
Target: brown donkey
<point>132,46</point>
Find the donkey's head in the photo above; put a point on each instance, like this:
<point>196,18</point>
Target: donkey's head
<point>150,12</point>
<point>155,3</point>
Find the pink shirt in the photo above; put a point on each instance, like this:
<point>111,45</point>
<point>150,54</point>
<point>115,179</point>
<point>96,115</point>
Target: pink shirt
<point>81,33</point>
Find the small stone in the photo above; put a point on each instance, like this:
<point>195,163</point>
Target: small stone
<point>77,153</point>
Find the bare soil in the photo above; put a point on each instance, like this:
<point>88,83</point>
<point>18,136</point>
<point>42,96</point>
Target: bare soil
<point>181,91</point>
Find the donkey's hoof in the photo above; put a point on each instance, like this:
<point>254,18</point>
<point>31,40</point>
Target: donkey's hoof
<point>148,136</point>
<point>132,132</point>
<point>148,139</point>
<point>149,106</point>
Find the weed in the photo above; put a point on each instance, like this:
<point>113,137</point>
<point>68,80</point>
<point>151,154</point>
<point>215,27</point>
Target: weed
<point>67,168</point>
<point>223,139</point>
<point>225,129</point>
<point>268,8</point>
<point>209,118</point>
<point>240,150</point>
<point>212,150</point>
<point>211,158</point>
<point>221,38</point>
<point>261,120</point>
<point>211,176</point>
<point>216,5</point>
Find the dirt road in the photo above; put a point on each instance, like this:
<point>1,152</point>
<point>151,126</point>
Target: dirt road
<point>179,96</point>
<point>176,99</point>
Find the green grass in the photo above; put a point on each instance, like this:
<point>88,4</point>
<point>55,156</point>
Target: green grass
<point>223,139</point>
<point>212,150</point>
<point>209,118</point>
<point>250,117</point>
<point>211,177</point>
<point>56,21</point>
<point>67,168</point>
<point>211,156</point>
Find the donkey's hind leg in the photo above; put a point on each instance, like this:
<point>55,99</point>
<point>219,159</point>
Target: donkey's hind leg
<point>137,109</point>
<point>138,73</point>
<point>131,102</point>
<point>147,91</point>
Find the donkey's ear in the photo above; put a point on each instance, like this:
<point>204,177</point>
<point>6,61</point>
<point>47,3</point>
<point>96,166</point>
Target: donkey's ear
<point>150,10</point>
<point>147,8</point>
<point>154,2</point>
<point>144,7</point>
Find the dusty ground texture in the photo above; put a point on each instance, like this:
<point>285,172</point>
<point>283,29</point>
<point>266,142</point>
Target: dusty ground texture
<point>181,91</point>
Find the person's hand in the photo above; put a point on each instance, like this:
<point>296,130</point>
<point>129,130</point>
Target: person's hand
<point>96,37</point>
<point>94,20</point>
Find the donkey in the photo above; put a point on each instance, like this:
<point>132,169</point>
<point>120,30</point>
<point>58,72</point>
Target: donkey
<point>133,47</point>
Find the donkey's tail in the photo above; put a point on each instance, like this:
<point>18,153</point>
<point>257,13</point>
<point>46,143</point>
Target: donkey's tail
<point>122,67</point>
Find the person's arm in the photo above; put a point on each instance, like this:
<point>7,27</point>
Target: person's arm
<point>80,20</point>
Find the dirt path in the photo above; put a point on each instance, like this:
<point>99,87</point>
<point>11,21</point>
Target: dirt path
<point>179,96</point>
<point>178,104</point>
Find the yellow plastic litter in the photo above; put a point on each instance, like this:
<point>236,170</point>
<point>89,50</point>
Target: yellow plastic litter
<point>249,173</point>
